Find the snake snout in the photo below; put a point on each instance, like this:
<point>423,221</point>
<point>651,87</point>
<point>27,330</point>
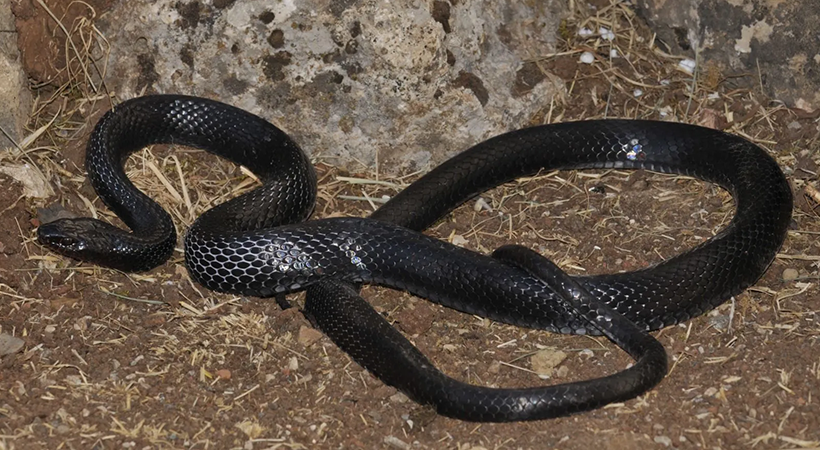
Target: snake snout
<point>98,242</point>
<point>61,236</point>
<point>83,239</point>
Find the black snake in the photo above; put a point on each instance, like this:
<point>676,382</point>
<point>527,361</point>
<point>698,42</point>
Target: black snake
<point>258,244</point>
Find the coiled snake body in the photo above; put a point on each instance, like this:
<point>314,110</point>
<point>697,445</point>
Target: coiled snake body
<point>257,244</point>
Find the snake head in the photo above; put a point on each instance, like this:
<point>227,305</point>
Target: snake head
<point>83,239</point>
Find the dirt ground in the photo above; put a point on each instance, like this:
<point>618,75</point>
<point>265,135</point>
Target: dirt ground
<point>154,361</point>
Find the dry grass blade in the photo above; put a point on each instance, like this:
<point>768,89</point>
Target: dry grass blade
<point>70,43</point>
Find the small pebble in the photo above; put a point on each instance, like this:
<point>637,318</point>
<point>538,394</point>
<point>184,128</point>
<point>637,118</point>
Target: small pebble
<point>82,323</point>
<point>494,368</point>
<point>225,374</point>
<point>606,34</point>
<point>393,441</point>
<point>687,65</point>
<point>459,240</point>
<point>481,204</point>
<point>545,361</point>
<point>719,321</point>
<point>663,440</point>
<point>53,212</point>
<point>790,274</point>
<point>710,392</point>
<point>307,335</point>
<point>375,415</point>
<point>584,32</point>
<point>50,328</point>
<point>74,380</point>
<point>153,320</point>
<point>587,353</point>
<point>10,344</point>
<point>587,58</point>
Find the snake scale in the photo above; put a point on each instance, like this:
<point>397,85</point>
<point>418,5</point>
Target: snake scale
<point>260,244</point>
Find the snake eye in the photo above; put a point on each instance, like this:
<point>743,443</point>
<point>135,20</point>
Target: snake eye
<point>69,243</point>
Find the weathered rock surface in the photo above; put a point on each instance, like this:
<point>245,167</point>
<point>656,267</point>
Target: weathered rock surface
<point>770,42</point>
<point>409,82</point>
<point>14,93</point>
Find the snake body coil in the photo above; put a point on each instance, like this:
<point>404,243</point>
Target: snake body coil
<point>252,246</point>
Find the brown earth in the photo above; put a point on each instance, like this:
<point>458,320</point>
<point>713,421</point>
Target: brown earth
<point>153,361</point>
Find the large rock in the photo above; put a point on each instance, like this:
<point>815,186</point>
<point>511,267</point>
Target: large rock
<point>770,42</point>
<point>14,93</point>
<point>402,81</point>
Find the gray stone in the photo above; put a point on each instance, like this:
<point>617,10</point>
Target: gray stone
<point>405,82</point>
<point>14,93</point>
<point>10,344</point>
<point>770,42</point>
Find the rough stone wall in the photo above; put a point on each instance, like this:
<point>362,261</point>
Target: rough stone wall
<point>410,80</point>
<point>14,93</point>
<point>770,43</point>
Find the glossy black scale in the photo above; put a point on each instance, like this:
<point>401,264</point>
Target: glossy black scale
<point>251,245</point>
